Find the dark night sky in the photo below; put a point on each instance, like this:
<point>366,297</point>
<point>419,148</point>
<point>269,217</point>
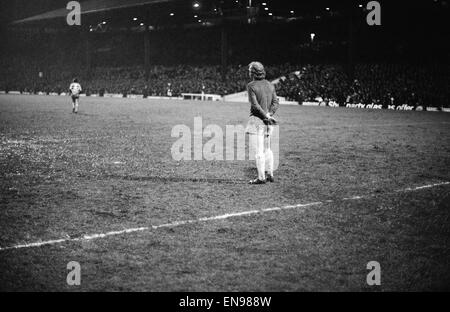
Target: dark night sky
<point>16,9</point>
<point>431,14</point>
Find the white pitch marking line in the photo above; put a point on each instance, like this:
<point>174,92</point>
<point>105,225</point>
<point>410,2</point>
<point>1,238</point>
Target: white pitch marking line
<point>271,209</point>
<point>88,237</point>
<point>353,198</point>
<point>423,187</point>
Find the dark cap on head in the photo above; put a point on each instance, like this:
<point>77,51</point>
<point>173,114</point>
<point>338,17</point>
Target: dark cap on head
<point>75,79</point>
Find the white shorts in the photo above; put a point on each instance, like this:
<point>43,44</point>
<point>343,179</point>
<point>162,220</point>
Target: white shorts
<point>257,126</point>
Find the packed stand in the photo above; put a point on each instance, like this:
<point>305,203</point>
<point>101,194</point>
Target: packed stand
<point>385,84</point>
<point>380,84</point>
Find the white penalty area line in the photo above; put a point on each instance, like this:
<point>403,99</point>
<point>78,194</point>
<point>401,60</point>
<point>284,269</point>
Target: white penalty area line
<point>89,237</point>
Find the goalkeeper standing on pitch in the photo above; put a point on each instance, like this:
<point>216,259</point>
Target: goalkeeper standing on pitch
<point>263,105</point>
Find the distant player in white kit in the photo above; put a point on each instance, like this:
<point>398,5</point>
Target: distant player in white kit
<point>75,90</point>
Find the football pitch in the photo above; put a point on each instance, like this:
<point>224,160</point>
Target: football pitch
<point>101,188</point>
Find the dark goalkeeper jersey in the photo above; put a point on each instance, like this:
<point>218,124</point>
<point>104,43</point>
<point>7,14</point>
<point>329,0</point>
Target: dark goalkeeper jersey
<point>262,97</point>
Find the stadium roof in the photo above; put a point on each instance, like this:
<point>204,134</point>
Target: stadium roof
<point>132,14</point>
<point>92,6</point>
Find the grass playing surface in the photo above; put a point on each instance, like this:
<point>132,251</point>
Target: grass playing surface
<point>109,168</point>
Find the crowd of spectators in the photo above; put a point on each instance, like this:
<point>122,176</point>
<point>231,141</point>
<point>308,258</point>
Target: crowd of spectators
<point>19,75</point>
<point>386,84</point>
<point>314,81</point>
<point>381,84</point>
